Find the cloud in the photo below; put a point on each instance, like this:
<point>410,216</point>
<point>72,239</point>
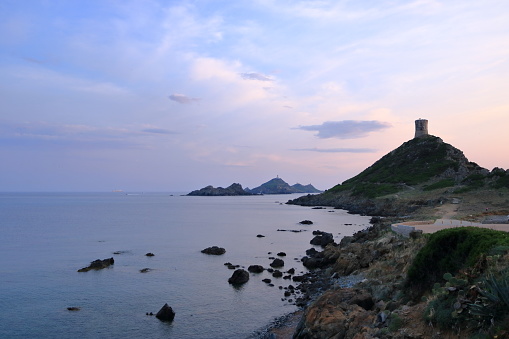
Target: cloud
<point>336,150</point>
<point>183,99</point>
<point>346,129</point>
<point>158,131</point>
<point>39,134</point>
<point>256,76</point>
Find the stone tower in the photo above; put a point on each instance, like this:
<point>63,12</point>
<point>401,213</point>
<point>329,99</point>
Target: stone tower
<point>421,128</point>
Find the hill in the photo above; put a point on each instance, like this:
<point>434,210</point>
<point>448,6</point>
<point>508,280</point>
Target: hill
<point>279,186</point>
<point>422,172</point>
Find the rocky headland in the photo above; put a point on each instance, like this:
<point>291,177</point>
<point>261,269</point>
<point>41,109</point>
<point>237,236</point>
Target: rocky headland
<point>453,283</point>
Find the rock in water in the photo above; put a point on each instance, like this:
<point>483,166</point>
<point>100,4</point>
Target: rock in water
<point>98,264</point>
<point>322,239</point>
<point>306,222</point>
<point>214,250</point>
<point>277,263</point>
<point>239,277</point>
<point>255,269</point>
<point>165,313</point>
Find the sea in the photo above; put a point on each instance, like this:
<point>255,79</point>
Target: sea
<point>46,237</point>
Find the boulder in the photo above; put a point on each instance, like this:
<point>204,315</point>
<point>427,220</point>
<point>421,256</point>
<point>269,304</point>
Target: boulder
<point>165,313</point>
<point>239,277</point>
<point>255,268</point>
<point>306,222</point>
<point>282,254</point>
<point>214,250</point>
<point>322,239</point>
<point>98,264</point>
<point>277,274</point>
<point>277,263</point>
<point>260,236</point>
<point>150,254</point>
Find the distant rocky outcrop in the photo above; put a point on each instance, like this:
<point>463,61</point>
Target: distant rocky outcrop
<point>279,186</point>
<point>233,189</point>
<point>98,264</point>
<point>214,250</point>
<point>166,313</point>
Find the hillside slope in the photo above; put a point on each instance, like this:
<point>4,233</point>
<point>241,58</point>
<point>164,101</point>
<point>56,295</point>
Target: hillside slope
<point>421,172</point>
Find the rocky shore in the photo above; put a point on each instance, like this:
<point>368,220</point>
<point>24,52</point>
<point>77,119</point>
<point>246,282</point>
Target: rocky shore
<point>353,289</point>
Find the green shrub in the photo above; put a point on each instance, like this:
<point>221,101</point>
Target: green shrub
<point>450,250</point>
<point>395,322</point>
<point>440,184</point>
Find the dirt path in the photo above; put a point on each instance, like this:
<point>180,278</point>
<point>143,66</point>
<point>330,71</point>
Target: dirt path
<point>447,211</point>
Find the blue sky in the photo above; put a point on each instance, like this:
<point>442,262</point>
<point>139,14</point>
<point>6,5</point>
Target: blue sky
<point>176,95</point>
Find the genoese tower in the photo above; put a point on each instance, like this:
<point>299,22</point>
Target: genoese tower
<point>421,128</point>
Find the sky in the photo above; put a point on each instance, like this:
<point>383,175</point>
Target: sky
<point>153,95</point>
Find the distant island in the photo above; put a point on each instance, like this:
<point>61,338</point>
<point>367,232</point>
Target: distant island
<point>233,189</point>
<point>273,186</point>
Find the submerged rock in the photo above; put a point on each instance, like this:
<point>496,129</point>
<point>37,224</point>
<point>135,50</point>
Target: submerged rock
<point>239,277</point>
<point>214,250</point>
<point>98,264</point>
<point>165,313</point>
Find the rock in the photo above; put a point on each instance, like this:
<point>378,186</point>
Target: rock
<point>322,239</point>
<point>73,308</point>
<point>255,269</point>
<point>277,263</point>
<point>282,254</point>
<point>145,270</point>
<point>149,254</point>
<point>268,281</point>
<point>239,277</point>
<point>214,250</point>
<point>306,222</point>
<point>291,271</point>
<point>260,236</point>
<point>277,274</point>
<point>98,264</point>
<point>336,315</point>
<point>165,313</point>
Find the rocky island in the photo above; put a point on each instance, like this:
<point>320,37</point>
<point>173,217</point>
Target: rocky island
<point>380,283</point>
<point>233,189</point>
<point>273,186</point>
<point>279,186</point>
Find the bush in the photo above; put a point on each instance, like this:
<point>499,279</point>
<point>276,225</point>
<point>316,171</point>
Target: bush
<point>440,184</point>
<point>450,250</point>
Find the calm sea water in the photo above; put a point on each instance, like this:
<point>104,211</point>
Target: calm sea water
<point>46,237</point>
